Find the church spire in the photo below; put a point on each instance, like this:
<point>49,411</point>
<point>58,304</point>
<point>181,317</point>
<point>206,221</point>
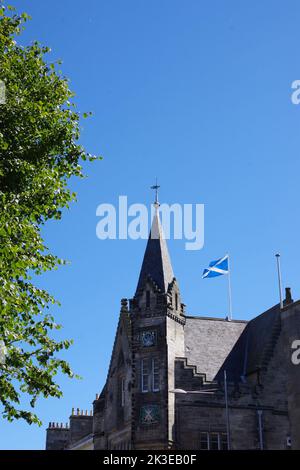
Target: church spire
<point>156,262</point>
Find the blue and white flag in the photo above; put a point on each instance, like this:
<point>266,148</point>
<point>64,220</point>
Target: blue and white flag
<point>217,268</point>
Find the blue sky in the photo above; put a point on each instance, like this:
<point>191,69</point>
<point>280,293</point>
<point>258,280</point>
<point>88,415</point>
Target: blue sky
<point>197,93</point>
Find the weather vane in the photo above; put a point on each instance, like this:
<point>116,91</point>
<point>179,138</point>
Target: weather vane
<point>156,187</point>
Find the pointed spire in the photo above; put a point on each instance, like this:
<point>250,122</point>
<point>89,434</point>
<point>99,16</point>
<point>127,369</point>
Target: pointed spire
<point>156,262</point>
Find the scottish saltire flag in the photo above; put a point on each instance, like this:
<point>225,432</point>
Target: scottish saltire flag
<point>217,268</point>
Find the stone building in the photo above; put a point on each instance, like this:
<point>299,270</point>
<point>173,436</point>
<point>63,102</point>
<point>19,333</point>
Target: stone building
<point>160,353</point>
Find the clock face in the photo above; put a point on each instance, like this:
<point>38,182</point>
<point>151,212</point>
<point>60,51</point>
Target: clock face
<point>148,338</point>
<point>149,414</point>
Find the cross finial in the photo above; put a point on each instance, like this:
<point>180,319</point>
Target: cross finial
<point>156,188</point>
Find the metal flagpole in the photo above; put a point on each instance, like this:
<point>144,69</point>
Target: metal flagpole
<point>227,412</point>
<point>279,279</point>
<point>229,290</point>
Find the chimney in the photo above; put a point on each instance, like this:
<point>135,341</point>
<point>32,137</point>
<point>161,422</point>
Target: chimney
<point>288,296</point>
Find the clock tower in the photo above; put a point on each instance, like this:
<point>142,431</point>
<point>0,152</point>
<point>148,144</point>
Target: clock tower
<point>157,319</point>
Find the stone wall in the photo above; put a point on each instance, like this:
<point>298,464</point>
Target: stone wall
<point>272,391</point>
<point>291,333</point>
<point>57,436</point>
<point>81,425</point>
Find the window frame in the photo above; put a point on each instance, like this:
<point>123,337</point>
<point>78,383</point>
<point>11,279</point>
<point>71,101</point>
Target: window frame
<point>123,392</point>
<point>206,435</point>
<point>155,374</point>
<point>145,375</point>
<point>150,375</point>
<point>221,440</point>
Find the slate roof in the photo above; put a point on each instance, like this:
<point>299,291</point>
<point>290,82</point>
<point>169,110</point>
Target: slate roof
<point>254,347</point>
<point>208,341</point>
<point>156,262</point>
<point>240,347</point>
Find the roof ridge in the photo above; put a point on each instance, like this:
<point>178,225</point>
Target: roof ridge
<point>217,318</point>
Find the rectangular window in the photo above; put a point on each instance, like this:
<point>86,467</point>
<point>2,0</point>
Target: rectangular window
<point>224,444</point>
<point>213,441</point>
<point>204,441</point>
<point>176,302</point>
<point>145,375</point>
<point>155,375</point>
<point>150,375</point>
<point>148,299</point>
<point>123,392</point>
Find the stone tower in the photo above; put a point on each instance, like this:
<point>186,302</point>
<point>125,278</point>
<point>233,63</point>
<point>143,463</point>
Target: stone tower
<point>157,318</point>
<point>159,349</point>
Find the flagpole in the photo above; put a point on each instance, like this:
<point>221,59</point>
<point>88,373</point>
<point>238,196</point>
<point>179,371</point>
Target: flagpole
<point>229,290</point>
<point>279,279</point>
<point>227,412</point>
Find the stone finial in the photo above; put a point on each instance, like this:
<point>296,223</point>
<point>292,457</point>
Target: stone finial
<point>73,411</point>
<point>78,412</point>
<point>124,305</point>
<point>91,413</point>
<point>97,396</point>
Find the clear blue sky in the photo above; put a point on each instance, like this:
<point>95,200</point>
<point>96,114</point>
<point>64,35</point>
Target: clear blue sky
<point>197,93</point>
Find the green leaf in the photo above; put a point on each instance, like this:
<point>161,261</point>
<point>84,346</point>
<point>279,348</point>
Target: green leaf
<point>40,153</point>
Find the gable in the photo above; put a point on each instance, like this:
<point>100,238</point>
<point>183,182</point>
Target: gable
<point>121,351</point>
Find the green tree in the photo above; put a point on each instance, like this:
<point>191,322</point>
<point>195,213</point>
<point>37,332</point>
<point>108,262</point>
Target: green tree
<point>39,153</point>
